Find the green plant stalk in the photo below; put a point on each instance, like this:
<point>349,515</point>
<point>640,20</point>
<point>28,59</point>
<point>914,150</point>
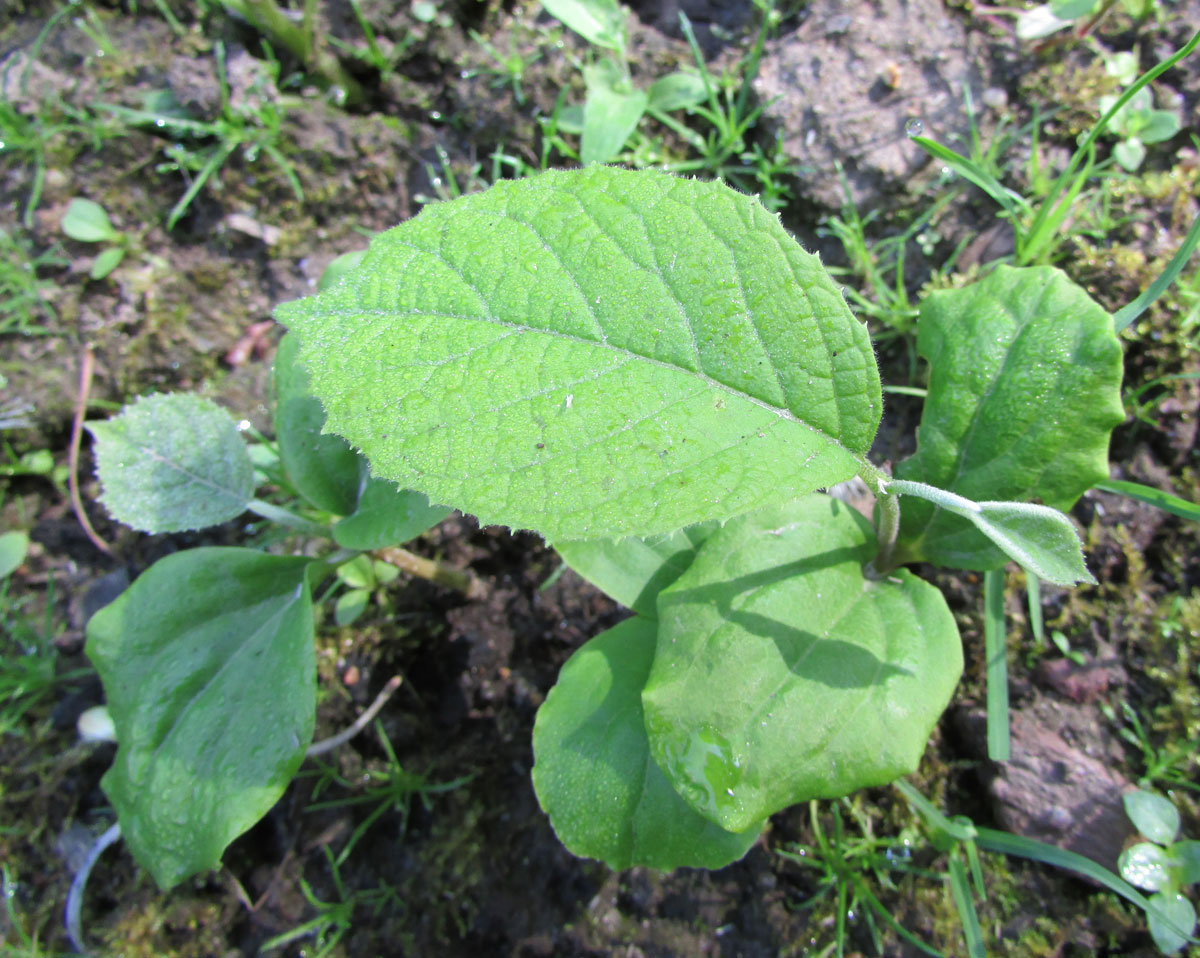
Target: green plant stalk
<point>432,570</point>
<point>997,665</point>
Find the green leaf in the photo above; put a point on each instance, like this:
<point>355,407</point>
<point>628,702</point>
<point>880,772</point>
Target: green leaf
<point>1186,857</point>
<point>172,462</point>
<point>106,262</point>
<point>592,768</point>
<point>358,573</point>
<point>1041,539</point>
<point>1145,865</point>
<point>782,674</point>
<point>209,669</point>
<point>387,516</point>
<point>1152,815</point>
<point>600,22</point>
<point>350,605</point>
<point>322,468</point>
<point>1024,391</point>
<point>611,112</point>
<point>1158,125</point>
<point>1071,9</point>
<point>594,353</point>
<point>1129,153</point>
<point>634,571</point>
<point>87,222</point>
<point>1179,913</point>
<point>677,91</point>
<point>13,548</point>
<point>338,267</point>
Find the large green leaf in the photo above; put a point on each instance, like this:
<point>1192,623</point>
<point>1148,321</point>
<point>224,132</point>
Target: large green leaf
<point>634,571</point>
<point>1024,391</point>
<point>323,468</point>
<point>173,462</point>
<point>592,768</point>
<point>782,674</point>
<point>209,669</point>
<point>594,353</point>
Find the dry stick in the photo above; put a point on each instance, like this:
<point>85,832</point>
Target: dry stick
<point>344,736</point>
<point>464,582</point>
<point>85,386</point>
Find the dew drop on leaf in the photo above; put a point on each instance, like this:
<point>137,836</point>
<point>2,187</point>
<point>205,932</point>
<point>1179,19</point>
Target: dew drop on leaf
<point>914,127</point>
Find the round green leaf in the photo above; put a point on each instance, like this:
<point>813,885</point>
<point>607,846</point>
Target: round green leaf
<point>209,669</point>
<point>1145,865</point>
<point>1024,392</point>
<point>594,353</point>
<point>170,463</point>
<point>783,674</point>
<point>86,221</point>
<point>1152,815</point>
<point>1180,920</point>
<point>106,262</point>
<point>592,768</point>
<point>13,547</point>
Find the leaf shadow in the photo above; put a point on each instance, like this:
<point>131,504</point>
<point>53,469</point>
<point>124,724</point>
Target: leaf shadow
<point>833,662</point>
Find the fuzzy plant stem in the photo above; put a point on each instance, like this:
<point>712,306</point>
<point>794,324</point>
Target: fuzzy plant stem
<point>432,570</point>
<point>79,883</point>
<point>879,482</point>
<point>282,516</point>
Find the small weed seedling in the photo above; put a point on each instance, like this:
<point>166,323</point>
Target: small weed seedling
<point>87,222</point>
<point>1137,123</point>
<point>1164,865</point>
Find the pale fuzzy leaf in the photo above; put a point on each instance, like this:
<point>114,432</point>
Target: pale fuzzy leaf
<point>169,463</point>
<point>594,353</point>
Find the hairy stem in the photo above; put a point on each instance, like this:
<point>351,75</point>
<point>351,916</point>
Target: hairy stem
<point>284,517</point>
<point>433,570</point>
<point>879,482</point>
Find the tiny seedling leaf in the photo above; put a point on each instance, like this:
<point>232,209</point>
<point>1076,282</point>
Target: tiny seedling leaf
<point>87,222</point>
<point>13,547</point>
<point>1024,392</point>
<point>634,571</point>
<point>172,462</point>
<point>106,262</point>
<point>611,112</point>
<point>209,669</point>
<point>1172,911</point>
<point>502,351</point>
<point>1152,815</point>
<point>593,772</point>
<point>677,91</point>
<point>600,22</point>
<point>1146,865</point>
<point>350,605</point>
<point>782,674</point>
<point>323,468</point>
<point>1186,854</point>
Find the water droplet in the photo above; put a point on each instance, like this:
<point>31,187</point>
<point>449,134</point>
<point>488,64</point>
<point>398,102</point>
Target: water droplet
<point>914,127</point>
<point>708,770</point>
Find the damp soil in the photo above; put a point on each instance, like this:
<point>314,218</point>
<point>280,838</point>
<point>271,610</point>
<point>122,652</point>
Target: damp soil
<point>463,862</point>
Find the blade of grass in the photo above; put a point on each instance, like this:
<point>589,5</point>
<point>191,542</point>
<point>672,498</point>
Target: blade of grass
<point>1033,591</point>
<point>1128,313</point>
<point>1012,203</point>
<point>960,890</point>
<point>1153,497</point>
<point>997,665</point>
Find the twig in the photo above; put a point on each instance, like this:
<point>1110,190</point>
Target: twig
<point>85,386</point>
<point>79,883</point>
<point>344,736</point>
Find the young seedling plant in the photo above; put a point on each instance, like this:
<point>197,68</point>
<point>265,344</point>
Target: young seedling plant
<point>651,373</point>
